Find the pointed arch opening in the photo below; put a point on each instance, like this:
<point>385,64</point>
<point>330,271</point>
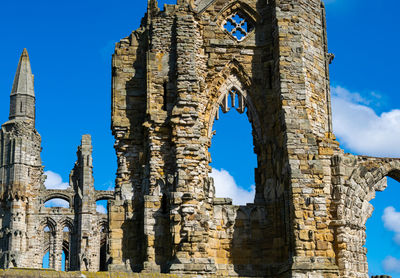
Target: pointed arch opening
<point>232,149</point>
<point>47,239</point>
<point>103,246</point>
<point>234,138</point>
<point>367,213</point>
<point>66,244</point>
<point>254,227</point>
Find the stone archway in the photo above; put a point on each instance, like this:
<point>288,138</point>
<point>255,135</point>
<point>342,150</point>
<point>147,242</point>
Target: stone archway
<point>46,232</point>
<point>353,208</point>
<point>232,82</point>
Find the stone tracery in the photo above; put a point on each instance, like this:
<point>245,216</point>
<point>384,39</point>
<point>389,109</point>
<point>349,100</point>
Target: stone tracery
<point>238,25</point>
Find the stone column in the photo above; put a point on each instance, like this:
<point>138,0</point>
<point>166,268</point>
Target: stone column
<point>52,250</point>
<point>58,241</point>
<point>150,209</point>
<point>300,60</point>
<point>189,203</point>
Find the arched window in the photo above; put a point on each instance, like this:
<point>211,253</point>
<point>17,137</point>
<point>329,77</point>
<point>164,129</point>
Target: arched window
<point>66,248</point>
<point>232,150</point>
<point>103,246</point>
<point>46,245</point>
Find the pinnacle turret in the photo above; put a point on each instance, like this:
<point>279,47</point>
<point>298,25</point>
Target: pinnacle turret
<point>22,99</point>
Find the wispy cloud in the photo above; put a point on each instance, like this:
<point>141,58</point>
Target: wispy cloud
<point>360,129</point>
<point>110,185</point>
<point>226,187</point>
<point>391,264</point>
<point>54,181</point>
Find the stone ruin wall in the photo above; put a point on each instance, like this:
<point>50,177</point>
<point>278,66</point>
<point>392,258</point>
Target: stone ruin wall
<point>171,80</point>
<point>28,229</point>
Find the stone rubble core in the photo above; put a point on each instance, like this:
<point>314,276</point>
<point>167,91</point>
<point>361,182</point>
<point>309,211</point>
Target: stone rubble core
<point>29,229</point>
<point>170,78</point>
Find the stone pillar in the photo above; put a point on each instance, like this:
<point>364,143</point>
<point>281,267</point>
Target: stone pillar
<point>189,204</point>
<point>52,249</point>
<point>83,182</point>
<point>150,210</point>
<point>301,60</point>
<point>58,241</point>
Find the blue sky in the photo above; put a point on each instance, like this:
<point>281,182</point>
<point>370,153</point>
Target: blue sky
<point>70,46</point>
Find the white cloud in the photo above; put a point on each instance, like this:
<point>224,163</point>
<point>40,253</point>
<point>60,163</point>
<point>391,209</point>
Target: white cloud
<point>226,187</point>
<point>56,203</point>
<point>54,181</point>
<point>101,209</point>
<point>360,129</point>
<point>345,94</point>
<point>391,264</point>
<point>391,220</point>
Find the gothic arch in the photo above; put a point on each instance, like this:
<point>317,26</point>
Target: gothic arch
<point>352,199</point>
<point>66,222</point>
<point>353,209</point>
<point>233,76</point>
<point>102,224</point>
<point>369,177</point>
<point>238,5</point>
<point>49,222</point>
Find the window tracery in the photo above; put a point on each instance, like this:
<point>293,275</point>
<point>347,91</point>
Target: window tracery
<point>238,25</point>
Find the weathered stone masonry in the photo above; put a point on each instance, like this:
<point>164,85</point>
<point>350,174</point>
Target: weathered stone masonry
<point>28,229</point>
<point>171,79</point>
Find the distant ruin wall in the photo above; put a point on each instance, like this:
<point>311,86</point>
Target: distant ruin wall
<point>48,273</point>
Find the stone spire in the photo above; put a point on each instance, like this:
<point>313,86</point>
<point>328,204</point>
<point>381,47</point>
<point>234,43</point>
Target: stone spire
<point>152,8</point>
<point>152,4</point>
<point>22,99</point>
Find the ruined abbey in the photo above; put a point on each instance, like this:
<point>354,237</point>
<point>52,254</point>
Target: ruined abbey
<point>171,79</point>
